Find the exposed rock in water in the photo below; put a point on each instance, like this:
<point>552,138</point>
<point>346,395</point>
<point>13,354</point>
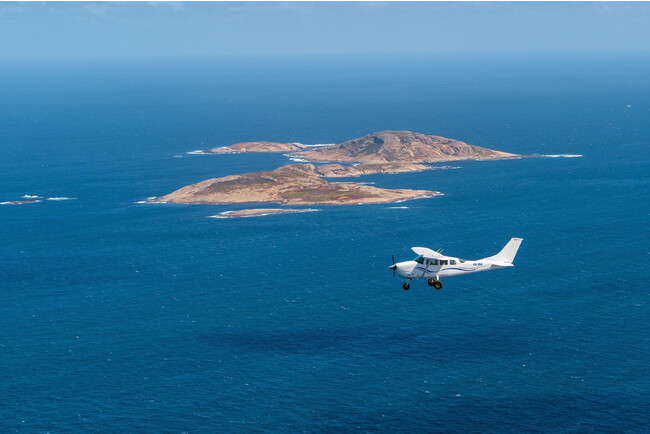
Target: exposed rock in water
<point>257,147</point>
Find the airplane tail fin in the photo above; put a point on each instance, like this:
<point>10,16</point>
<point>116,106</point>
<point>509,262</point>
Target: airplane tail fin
<point>507,254</point>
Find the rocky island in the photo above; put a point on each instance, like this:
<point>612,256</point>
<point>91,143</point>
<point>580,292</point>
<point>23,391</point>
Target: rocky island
<point>292,184</point>
<point>376,148</point>
<point>401,146</point>
<point>383,152</point>
<point>238,148</point>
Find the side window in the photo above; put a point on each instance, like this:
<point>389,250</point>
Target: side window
<point>435,262</point>
<point>452,262</point>
<point>443,262</point>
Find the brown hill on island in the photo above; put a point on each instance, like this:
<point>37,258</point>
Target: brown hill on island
<point>293,184</point>
<point>401,146</point>
<point>257,147</point>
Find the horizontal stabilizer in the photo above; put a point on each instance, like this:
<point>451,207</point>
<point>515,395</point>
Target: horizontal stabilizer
<point>501,264</point>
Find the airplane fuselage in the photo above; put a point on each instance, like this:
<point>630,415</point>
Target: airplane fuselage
<point>414,270</point>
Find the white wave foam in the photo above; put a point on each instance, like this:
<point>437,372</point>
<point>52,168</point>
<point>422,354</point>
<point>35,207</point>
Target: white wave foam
<point>257,215</point>
<point>16,202</point>
<point>427,196</point>
<point>178,156</point>
<point>398,207</point>
<point>298,160</point>
<point>31,196</point>
<point>148,199</point>
<point>197,152</point>
<point>563,156</point>
<point>226,214</point>
<point>319,145</point>
<point>61,198</point>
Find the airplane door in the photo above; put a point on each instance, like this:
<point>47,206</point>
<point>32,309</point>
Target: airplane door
<point>426,267</point>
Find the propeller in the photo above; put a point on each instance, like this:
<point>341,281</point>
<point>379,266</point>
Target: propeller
<point>393,267</point>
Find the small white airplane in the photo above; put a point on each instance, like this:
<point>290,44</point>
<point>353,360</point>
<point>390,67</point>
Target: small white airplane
<point>434,265</point>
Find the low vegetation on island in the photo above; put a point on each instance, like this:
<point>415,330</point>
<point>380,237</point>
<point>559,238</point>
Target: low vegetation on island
<point>293,184</point>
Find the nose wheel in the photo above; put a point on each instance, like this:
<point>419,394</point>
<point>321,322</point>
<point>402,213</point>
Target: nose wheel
<point>406,285</point>
<point>435,283</point>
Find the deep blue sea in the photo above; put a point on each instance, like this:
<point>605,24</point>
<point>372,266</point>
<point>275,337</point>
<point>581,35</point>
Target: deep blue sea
<point>126,317</point>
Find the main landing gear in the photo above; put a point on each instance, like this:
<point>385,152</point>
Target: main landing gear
<point>435,283</point>
<point>432,282</point>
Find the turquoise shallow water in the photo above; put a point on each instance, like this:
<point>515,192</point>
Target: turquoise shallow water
<point>121,316</point>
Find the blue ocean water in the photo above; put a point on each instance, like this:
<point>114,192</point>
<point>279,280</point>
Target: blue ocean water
<point>118,316</point>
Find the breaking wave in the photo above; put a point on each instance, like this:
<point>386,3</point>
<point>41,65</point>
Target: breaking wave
<point>148,199</point>
<point>18,202</point>
<point>319,145</point>
<point>226,214</point>
<point>563,156</point>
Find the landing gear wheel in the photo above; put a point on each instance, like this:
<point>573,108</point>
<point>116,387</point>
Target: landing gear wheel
<point>432,281</point>
<point>406,286</point>
<point>437,284</point>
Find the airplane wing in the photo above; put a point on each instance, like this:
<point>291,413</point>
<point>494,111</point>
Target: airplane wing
<point>427,253</point>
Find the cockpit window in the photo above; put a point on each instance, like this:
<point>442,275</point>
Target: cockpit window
<point>419,260</point>
<point>461,260</point>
